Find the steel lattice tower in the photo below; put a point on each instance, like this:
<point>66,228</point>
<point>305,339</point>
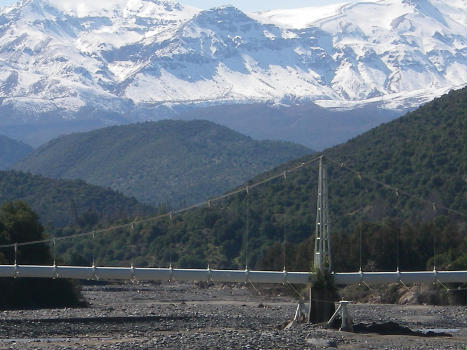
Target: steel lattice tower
<point>322,253</point>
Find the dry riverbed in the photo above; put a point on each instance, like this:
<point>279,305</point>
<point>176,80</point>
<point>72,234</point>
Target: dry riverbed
<point>189,316</point>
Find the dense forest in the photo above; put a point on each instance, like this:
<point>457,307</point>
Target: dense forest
<point>169,162</point>
<point>71,203</point>
<point>397,191</point>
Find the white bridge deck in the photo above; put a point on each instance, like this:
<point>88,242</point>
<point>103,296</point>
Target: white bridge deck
<point>171,274</point>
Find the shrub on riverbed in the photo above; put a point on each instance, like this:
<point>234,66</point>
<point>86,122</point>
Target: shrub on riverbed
<point>396,293</point>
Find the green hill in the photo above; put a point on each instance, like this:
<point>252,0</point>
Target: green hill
<point>422,154</point>
<point>68,202</point>
<point>12,151</point>
<point>166,162</point>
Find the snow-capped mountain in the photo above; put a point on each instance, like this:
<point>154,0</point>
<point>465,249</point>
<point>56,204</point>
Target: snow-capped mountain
<point>388,47</point>
<point>135,59</point>
<point>65,54</point>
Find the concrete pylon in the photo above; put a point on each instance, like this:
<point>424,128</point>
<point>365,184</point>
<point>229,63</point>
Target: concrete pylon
<point>321,304</point>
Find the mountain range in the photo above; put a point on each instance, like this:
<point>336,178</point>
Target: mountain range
<point>69,66</point>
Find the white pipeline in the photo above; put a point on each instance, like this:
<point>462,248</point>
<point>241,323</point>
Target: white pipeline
<point>169,274</point>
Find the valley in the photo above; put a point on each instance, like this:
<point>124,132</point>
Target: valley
<point>149,133</point>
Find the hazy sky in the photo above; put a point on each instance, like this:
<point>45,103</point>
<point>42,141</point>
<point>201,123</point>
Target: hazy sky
<point>245,5</point>
<point>258,5</point>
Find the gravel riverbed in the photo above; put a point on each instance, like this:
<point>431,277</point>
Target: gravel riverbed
<point>190,316</point>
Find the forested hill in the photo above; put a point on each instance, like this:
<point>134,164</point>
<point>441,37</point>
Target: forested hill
<point>167,162</point>
<point>12,151</point>
<point>69,202</point>
<point>422,153</point>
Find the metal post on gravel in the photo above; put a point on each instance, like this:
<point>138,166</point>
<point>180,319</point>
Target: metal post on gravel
<point>347,322</point>
<point>300,315</point>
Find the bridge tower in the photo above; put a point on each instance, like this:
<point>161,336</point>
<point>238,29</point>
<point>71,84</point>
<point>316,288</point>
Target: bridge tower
<point>322,253</point>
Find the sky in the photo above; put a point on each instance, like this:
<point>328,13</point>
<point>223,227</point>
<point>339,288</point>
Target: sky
<point>258,5</point>
<point>244,5</point>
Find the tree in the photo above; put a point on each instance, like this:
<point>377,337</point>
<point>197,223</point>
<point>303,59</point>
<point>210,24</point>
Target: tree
<point>18,223</point>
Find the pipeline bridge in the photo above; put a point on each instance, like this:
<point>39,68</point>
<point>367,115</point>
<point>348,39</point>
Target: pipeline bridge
<point>322,254</point>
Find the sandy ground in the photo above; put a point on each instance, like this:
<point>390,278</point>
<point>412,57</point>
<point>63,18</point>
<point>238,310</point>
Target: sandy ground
<point>188,316</point>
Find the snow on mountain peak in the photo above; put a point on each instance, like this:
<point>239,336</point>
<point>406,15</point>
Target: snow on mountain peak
<point>69,54</point>
<point>92,8</point>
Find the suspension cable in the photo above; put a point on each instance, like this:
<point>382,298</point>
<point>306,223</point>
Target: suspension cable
<point>179,211</point>
<point>297,293</point>
<point>227,195</point>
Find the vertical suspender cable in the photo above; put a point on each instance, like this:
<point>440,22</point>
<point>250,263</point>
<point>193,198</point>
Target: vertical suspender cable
<point>398,234</point>
<point>16,253</point>
<point>211,240</point>
<point>284,217</point>
<point>247,228</point>
<point>361,221</point>
<point>171,218</point>
<point>54,251</point>
<point>398,248</point>
<point>434,241</point>
<point>132,246</point>
<point>93,248</point>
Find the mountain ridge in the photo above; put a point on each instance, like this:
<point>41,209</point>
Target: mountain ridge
<point>146,58</point>
<point>72,203</point>
<point>160,163</point>
<point>11,151</point>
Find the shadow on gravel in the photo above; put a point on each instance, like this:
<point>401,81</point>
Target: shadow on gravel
<point>102,319</point>
<point>392,328</point>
